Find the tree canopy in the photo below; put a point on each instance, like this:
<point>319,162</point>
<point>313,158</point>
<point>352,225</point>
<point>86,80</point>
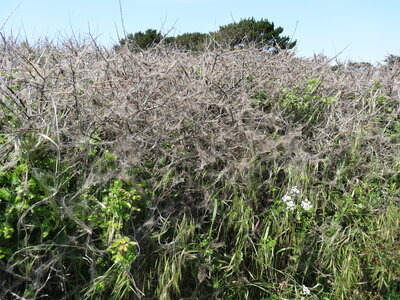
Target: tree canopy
<point>141,40</point>
<point>261,34</point>
<point>190,41</point>
<point>247,32</point>
<point>392,60</point>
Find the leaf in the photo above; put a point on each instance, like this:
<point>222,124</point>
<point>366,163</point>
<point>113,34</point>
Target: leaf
<point>5,194</point>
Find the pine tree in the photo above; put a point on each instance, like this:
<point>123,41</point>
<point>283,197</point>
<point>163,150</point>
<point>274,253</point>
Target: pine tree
<point>141,40</point>
<point>261,34</point>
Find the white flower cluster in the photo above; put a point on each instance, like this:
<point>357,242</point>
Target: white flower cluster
<point>295,190</point>
<point>306,290</point>
<point>289,202</point>
<point>288,199</point>
<point>306,204</point>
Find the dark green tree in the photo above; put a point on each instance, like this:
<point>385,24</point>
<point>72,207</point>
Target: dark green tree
<point>261,34</point>
<point>361,65</point>
<point>247,32</point>
<point>190,41</point>
<point>141,40</point>
<point>392,60</point>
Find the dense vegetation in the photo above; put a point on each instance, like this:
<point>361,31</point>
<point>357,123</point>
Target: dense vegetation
<point>233,174</point>
<point>260,34</point>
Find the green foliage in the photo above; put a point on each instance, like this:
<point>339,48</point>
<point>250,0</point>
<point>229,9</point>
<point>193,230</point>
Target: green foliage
<point>391,60</point>
<point>109,208</point>
<point>362,66</point>
<point>388,120</point>
<point>20,195</point>
<point>116,282</point>
<point>122,250</point>
<point>247,32</point>
<point>301,105</point>
<point>262,100</point>
<point>141,40</point>
<point>189,41</point>
<point>261,34</point>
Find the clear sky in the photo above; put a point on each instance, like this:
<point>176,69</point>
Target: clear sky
<point>365,30</point>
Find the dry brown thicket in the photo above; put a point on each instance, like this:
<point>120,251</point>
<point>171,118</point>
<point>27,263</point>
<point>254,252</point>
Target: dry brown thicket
<point>195,112</point>
<point>195,122</point>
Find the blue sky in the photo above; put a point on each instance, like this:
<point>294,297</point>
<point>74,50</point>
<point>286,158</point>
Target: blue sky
<point>365,30</point>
